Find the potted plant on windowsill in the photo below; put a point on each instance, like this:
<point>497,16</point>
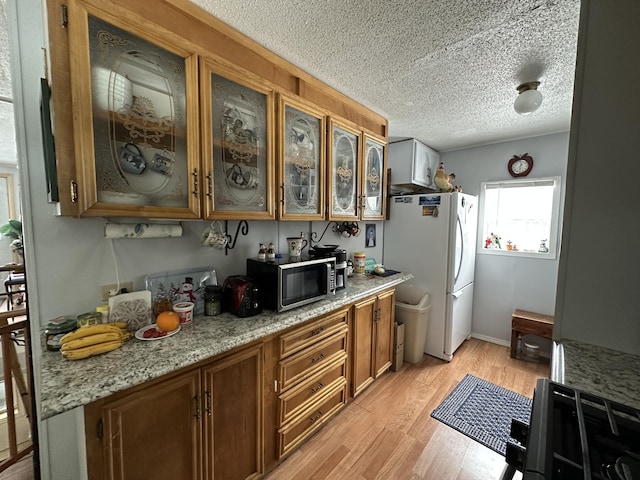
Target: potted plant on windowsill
<point>13,229</point>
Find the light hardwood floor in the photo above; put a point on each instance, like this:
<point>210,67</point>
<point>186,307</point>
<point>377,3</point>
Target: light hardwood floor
<point>387,432</point>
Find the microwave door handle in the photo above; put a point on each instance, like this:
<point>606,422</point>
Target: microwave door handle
<point>328,266</point>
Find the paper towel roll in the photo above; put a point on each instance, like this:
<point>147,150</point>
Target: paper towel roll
<point>142,230</point>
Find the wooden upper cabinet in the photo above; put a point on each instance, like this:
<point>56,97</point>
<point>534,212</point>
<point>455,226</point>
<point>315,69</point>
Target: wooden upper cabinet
<point>344,164</point>
<point>238,132</point>
<point>301,160</point>
<point>373,198</point>
<point>135,117</point>
<point>162,111</point>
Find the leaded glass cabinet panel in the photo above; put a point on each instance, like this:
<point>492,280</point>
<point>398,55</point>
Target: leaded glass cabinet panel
<point>373,178</point>
<point>302,160</point>
<point>135,119</point>
<point>344,152</point>
<point>238,146</point>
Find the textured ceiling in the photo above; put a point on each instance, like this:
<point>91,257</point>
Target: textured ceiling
<point>442,71</point>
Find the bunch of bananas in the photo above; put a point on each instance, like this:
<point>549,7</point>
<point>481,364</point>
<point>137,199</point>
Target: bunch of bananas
<point>93,340</point>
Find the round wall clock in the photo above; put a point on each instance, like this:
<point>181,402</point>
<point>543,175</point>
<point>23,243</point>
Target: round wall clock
<point>520,166</point>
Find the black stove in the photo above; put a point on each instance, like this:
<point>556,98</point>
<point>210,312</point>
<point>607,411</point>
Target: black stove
<point>574,434</point>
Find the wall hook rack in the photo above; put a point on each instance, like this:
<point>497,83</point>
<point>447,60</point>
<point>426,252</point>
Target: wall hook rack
<point>242,228</point>
<point>314,234</point>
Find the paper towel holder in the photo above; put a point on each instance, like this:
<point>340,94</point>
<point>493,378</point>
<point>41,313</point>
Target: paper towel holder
<point>142,230</point>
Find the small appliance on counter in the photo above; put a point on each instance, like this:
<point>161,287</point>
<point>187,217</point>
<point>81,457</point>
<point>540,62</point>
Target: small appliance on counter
<point>328,251</point>
<point>240,296</point>
<point>292,282</point>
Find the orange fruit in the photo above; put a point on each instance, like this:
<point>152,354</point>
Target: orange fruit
<point>168,321</point>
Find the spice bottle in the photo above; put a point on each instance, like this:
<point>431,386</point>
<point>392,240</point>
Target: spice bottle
<point>212,300</point>
<point>262,252</point>
<point>271,253</point>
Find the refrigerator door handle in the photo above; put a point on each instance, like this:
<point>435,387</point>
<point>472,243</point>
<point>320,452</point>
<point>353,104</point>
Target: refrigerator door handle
<point>457,294</point>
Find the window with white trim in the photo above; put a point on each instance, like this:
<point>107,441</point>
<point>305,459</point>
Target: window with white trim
<point>520,217</point>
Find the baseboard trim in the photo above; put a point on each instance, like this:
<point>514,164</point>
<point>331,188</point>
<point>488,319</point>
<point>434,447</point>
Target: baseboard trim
<point>486,338</point>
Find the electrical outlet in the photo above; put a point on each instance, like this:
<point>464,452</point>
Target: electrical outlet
<point>110,290</point>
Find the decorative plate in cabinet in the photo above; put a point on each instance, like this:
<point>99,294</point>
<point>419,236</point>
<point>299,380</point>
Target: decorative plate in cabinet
<point>344,149</point>
<point>238,146</point>
<point>301,156</point>
<point>373,176</point>
<point>135,118</point>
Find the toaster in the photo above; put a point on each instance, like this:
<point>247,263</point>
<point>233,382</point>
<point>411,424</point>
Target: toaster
<point>240,296</point>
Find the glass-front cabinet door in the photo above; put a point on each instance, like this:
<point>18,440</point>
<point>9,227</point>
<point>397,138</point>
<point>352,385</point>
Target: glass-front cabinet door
<point>238,146</point>
<point>301,157</point>
<point>373,176</point>
<point>343,150</point>
<point>135,119</point>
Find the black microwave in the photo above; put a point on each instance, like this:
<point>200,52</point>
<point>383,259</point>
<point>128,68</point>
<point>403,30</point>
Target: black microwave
<point>286,283</point>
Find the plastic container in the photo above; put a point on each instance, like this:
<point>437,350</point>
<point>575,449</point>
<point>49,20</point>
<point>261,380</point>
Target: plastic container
<point>104,311</point>
<point>530,352</point>
<point>184,311</point>
<point>359,261</point>
<point>412,309</point>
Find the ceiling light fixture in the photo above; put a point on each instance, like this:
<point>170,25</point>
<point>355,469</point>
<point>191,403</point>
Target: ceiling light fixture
<point>528,99</point>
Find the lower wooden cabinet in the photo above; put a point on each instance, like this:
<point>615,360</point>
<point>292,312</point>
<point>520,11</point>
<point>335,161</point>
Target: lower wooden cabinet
<point>234,417</point>
<point>205,423</point>
<point>312,377</point>
<point>372,333</point>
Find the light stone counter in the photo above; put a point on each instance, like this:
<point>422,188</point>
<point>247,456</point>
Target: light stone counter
<point>601,371</point>
<point>67,384</point>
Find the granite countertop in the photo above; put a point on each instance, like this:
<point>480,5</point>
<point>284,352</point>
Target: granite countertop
<point>594,369</point>
<point>67,384</point>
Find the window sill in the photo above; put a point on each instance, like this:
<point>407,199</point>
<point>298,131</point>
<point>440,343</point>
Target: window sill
<point>517,253</point>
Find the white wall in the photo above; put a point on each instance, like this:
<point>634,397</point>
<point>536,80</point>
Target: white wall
<point>504,283</point>
<point>598,300</point>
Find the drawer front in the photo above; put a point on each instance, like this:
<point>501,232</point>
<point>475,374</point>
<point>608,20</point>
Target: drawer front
<point>312,359</point>
<point>312,332</point>
<point>309,421</point>
<point>525,326</point>
<point>305,393</point>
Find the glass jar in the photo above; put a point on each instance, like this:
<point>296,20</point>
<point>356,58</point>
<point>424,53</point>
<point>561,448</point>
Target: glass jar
<point>212,300</point>
<point>56,329</point>
<point>89,318</point>
<point>359,260</point>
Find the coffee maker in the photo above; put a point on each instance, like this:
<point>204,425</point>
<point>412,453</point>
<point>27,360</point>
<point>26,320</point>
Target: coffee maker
<point>341,263</point>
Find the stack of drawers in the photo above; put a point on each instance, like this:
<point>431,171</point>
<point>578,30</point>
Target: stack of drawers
<point>312,377</point>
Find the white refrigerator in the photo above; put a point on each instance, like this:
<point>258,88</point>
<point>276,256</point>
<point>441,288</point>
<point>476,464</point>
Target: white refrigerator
<point>433,237</point>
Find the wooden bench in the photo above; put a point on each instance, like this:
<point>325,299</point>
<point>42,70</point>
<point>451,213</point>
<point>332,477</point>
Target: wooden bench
<point>524,323</point>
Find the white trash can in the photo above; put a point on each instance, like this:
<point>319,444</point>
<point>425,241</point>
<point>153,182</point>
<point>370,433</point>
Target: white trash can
<point>412,310</point>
